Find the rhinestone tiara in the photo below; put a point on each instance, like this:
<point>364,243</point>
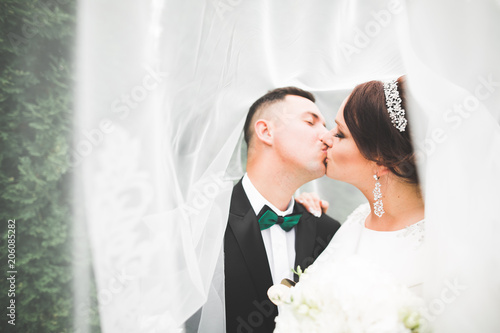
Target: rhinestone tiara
<point>393,102</point>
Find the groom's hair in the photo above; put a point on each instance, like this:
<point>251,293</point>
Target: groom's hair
<point>272,97</point>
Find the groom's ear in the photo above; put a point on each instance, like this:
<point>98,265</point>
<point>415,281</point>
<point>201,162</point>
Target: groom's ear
<point>263,131</point>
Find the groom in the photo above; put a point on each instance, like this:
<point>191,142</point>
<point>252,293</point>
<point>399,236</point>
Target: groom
<point>261,244</point>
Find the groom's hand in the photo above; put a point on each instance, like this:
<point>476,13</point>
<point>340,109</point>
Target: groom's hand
<point>313,203</point>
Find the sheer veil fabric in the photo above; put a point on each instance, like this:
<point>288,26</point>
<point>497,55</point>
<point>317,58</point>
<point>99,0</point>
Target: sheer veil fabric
<point>455,88</point>
<point>164,87</point>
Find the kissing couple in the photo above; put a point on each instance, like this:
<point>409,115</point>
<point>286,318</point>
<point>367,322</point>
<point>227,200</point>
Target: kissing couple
<point>269,233</point>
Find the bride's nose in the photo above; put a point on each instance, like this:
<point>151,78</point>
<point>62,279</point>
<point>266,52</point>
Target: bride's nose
<point>327,139</point>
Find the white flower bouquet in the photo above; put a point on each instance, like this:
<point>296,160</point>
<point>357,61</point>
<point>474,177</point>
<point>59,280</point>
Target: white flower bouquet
<point>349,295</point>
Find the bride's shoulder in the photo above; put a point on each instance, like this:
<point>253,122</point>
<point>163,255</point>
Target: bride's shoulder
<point>354,222</point>
<point>345,240</point>
<point>358,216</point>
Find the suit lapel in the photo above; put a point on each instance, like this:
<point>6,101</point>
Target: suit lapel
<point>245,227</point>
<point>305,234</point>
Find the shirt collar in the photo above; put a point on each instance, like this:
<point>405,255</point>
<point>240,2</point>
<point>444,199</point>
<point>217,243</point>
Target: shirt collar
<point>257,201</point>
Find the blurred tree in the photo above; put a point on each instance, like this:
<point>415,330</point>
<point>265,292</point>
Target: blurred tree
<point>36,49</point>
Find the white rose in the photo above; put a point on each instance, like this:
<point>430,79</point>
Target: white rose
<point>279,294</point>
<point>412,320</point>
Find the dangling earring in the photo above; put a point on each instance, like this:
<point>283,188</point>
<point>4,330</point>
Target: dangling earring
<point>378,206</point>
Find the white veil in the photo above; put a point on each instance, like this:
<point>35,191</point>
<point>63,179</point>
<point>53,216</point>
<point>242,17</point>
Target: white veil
<point>164,87</point>
<point>455,84</point>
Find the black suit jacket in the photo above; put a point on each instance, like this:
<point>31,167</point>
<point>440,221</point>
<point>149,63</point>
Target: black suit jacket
<point>246,268</point>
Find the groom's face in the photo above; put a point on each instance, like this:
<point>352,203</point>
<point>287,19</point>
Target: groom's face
<point>299,126</point>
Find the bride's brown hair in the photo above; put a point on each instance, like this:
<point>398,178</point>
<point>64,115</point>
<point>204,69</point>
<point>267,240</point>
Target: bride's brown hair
<point>366,116</point>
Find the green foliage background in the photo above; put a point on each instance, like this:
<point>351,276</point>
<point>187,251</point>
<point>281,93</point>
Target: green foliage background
<point>37,40</point>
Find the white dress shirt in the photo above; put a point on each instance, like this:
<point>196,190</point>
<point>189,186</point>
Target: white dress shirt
<point>279,244</point>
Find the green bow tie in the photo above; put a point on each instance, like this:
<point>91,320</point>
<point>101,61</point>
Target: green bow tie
<point>269,218</point>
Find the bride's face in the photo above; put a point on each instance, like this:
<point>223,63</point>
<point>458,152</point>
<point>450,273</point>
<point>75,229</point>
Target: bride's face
<point>344,161</point>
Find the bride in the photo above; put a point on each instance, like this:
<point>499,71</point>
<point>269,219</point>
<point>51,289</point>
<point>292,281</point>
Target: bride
<point>370,148</point>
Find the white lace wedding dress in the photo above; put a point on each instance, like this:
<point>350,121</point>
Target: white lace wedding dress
<point>400,252</point>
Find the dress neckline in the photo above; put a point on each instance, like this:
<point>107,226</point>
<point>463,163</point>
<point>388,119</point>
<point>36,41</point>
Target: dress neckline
<point>413,225</point>
<point>367,211</point>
